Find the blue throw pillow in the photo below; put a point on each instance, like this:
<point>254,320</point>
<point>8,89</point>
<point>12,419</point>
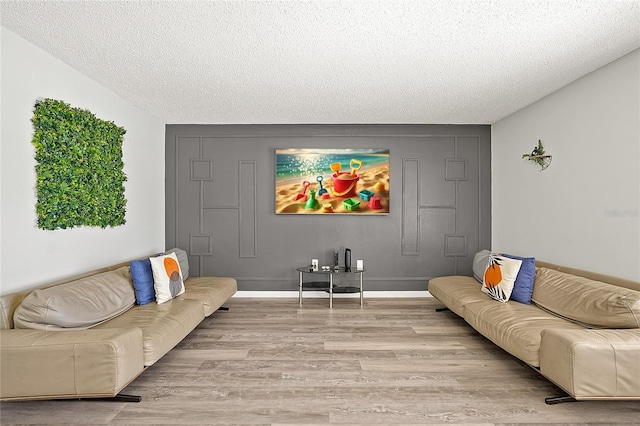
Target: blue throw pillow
<point>523,287</point>
<point>142,276</point>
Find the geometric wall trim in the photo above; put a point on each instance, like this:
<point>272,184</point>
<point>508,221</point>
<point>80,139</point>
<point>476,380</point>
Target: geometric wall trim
<point>200,245</point>
<point>247,193</point>
<point>455,245</point>
<point>455,169</point>
<point>219,187</point>
<point>410,242</point>
<point>201,169</point>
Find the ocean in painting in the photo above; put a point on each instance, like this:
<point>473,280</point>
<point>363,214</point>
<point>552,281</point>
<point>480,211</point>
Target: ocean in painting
<point>309,163</point>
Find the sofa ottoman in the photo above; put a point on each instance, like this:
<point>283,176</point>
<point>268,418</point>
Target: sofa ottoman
<point>92,363</point>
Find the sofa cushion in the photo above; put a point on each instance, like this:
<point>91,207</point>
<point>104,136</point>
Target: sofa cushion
<point>163,326</point>
<point>456,291</point>
<point>167,277</point>
<point>523,286</point>
<point>500,276</point>
<point>586,301</point>
<point>77,304</point>
<point>513,326</point>
<point>212,292</point>
<point>142,276</point>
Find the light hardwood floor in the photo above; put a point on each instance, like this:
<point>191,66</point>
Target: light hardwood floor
<point>393,361</point>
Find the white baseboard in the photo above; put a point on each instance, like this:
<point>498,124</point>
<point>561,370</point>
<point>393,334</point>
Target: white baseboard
<point>320,294</point>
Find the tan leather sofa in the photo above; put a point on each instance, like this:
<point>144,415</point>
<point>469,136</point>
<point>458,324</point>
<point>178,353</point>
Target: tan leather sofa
<point>581,331</point>
<point>101,360</point>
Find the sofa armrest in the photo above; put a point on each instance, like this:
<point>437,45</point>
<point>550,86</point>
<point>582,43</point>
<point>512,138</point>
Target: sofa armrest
<point>36,364</point>
<point>592,364</point>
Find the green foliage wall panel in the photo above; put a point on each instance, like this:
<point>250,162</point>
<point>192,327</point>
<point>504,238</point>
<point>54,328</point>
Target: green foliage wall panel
<point>80,177</point>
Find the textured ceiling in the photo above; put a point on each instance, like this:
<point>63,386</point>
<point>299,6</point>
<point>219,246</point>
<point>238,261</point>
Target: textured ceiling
<point>432,61</point>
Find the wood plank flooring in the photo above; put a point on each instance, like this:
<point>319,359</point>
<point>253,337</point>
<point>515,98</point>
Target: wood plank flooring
<point>272,362</point>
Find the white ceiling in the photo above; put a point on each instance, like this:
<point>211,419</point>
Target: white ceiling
<point>432,61</point>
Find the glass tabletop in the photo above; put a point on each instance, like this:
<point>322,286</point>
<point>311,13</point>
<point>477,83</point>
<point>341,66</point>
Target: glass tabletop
<point>309,270</point>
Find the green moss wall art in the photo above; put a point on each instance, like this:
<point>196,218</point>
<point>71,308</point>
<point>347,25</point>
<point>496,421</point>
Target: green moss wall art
<point>80,177</point>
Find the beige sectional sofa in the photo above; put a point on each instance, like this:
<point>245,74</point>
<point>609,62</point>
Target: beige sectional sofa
<point>581,331</point>
<point>53,362</point>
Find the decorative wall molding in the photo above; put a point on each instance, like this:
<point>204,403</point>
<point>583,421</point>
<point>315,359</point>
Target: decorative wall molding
<point>247,194</point>
<point>201,169</point>
<point>455,169</point>
<point>410,207</point>
<point>455,245</point>
<point>222,196</point>
<point>200,245</point>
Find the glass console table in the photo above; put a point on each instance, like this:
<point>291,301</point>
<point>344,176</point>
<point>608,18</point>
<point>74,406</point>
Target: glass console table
<point>330,286</point>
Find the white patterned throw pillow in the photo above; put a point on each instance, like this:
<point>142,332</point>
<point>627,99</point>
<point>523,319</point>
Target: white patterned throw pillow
<point>167,277</point>
<point>500,276</point>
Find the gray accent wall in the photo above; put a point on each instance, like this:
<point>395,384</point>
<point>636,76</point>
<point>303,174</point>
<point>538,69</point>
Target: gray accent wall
<point>220,204</point>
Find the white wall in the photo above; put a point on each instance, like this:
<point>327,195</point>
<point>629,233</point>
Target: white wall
<point>30,256</point>
<point>583,211</point>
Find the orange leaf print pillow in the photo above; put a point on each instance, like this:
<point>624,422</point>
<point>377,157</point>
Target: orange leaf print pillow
<point>500,276</point>
<point>167,277</point>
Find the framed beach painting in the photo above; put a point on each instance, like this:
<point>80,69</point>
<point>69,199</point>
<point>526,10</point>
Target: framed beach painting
<point>332,181</point>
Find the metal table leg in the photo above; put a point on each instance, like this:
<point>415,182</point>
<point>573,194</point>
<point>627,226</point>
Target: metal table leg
<point>361,291</point>
<point>330,290</point>
<point>300,289</point>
